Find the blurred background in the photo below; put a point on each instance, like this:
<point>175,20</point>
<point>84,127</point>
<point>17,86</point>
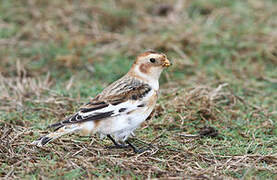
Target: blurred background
<point>233,40</point>
<point>54,55</point>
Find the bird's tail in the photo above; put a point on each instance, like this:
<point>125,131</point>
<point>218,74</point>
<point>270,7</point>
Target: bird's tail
<point>67,129</point>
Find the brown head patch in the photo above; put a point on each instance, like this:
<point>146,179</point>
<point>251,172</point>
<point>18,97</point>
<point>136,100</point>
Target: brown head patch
<point>143,55</point>
<point>147,53</point>
<point>144,68</point>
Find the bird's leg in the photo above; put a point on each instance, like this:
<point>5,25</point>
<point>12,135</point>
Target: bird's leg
<point>135,149</point>
<point>116,145</point>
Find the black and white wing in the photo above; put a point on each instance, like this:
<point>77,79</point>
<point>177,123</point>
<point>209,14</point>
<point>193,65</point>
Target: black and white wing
<point>109,106</point>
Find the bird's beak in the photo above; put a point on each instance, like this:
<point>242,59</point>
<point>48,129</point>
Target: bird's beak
<point>166,63</point>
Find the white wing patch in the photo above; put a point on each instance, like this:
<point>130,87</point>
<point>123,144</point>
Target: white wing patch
<point>121,108</point>
<point>118,109</point>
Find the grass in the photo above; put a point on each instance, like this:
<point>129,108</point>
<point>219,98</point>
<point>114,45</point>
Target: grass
<point>216,115</point>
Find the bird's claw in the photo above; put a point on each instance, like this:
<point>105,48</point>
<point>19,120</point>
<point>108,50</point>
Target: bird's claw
<point>119,146</point>
<point>138,151</point>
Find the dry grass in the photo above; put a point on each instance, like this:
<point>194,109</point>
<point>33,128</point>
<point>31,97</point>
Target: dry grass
<point>216,116</point>
<point>172,152</point>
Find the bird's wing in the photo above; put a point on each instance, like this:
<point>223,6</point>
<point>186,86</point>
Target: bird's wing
<point>109,106</point>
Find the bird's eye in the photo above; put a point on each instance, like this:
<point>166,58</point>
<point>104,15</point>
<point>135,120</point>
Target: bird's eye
<point>152,60</point>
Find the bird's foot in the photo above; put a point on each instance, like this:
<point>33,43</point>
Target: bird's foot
<point>135,149</point>
<point>141,150</point>
<point>118,146</point>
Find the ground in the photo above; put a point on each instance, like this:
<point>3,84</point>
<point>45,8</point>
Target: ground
<point>216,115</point>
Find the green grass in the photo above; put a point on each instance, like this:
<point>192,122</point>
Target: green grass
<point>93,44</point>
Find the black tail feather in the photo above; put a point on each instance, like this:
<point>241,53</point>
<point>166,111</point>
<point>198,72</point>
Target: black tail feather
<point>42,141</point>
<point>45,140</point>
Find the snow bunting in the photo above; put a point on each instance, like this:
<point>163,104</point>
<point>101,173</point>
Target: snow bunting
<point>121,107</point>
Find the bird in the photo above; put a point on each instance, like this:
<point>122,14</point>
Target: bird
<point>120,108</point>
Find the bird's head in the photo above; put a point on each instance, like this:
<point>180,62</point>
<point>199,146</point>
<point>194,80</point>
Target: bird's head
<point>149,65</point>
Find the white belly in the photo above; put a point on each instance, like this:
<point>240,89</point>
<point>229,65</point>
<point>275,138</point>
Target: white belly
<point>121,126</point>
